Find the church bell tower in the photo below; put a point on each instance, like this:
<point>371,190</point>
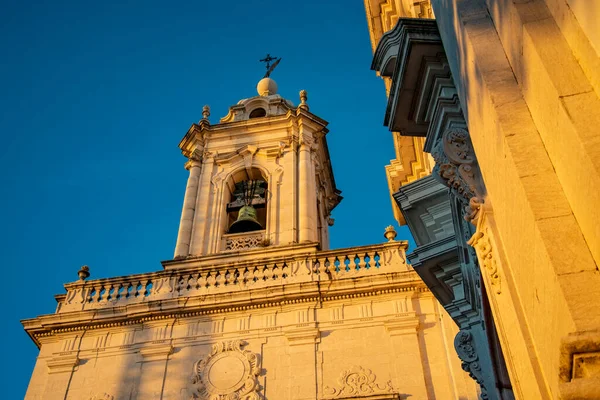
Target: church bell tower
<point>261,177</point>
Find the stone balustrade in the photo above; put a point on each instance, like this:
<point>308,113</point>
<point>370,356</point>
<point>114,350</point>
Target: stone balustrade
<point>261,272</point>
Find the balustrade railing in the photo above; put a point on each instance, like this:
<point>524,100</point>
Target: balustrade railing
<point>326,265</point>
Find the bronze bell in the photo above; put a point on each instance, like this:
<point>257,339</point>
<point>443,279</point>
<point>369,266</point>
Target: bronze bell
<point>246,221</point>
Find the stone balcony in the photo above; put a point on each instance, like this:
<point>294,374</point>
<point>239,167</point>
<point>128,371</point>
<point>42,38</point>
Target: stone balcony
<point>232,281</point>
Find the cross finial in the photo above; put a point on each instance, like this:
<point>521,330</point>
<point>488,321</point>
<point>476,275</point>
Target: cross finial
<point>268,65</point>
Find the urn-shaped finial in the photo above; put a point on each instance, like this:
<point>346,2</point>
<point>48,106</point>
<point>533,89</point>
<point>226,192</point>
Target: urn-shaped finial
<point>84,272</point>
<point>303,98</point>
<point>390,233</point>
<point>205,113</point>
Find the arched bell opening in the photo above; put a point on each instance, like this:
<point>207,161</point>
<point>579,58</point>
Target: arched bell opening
<point>247,207</point>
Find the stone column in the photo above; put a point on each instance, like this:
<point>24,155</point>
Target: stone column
<point>182,249</point>
<point>304,194</point>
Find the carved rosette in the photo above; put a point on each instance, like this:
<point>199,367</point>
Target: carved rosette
<point>355,382</point>
<point>457,168</point>
<point>467,352</point>
<point>228,373</point>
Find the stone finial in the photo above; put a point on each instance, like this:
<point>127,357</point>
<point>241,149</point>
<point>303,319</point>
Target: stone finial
<point>84,272</point>
<point>303,98</point>
<point>205,113</point>
<point>390,233</point>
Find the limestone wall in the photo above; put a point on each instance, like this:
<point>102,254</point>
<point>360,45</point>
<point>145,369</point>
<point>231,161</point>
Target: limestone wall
<point>527,75</point>
<point>399,342</point>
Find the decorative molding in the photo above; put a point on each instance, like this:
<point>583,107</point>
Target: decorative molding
<point>62,363</point>
<point>357,382</point>
<point>457,168</point>
<point>158,352</point>
<point>228,372</point>
<point>467,352</point>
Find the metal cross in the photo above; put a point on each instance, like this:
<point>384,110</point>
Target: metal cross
<point>270,67</point>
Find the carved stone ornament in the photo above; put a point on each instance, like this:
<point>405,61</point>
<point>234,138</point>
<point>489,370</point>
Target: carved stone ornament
<point>457,167</point>
<point>227,373</point>
<point>483,246</point>
<point>356,382</point>
<point>466,350</point>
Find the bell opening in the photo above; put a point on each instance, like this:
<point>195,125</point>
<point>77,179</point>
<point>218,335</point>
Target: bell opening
<point>247,209</point>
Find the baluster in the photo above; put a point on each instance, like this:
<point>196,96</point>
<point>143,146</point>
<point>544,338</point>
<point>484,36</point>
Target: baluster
<point>275,272</point>
<point>337,264</point>
<point>110,295</point>
<point>138,289</point>
<point>218,279</point>
<point>367,259</point>
<point>102,294</point>
<point>236,276</point>
<point>202,282</point>
<point>210,279</point>
<point>121,291</point>
<point>93,294</point>
<point>247,276</point>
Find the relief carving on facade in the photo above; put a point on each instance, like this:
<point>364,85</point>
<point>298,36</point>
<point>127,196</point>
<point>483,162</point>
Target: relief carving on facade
<point>467,352</point>
<point>355,382</point>
<point>457,167</point>
<point>228,373</point>
<point>483,246</point>
<point>245,241</point>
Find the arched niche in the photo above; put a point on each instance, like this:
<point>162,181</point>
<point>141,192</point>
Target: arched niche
<point>237,187</point>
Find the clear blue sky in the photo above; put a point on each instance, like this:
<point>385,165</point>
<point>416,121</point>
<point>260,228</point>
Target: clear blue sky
<point>95,97</point>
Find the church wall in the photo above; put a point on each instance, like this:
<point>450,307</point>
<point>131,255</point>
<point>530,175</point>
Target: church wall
<point>302,351</point>
<point>529,95</point>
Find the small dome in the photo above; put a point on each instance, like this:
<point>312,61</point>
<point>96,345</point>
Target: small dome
<point>266,87</point>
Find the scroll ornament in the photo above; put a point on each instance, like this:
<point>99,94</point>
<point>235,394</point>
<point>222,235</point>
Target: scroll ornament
<point>465,348</point>
<point>483,246</point>
<point>228,372</point>
<point>356,382</point>
<point>457,167</point>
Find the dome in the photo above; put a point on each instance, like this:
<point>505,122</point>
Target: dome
<point>266,87</point>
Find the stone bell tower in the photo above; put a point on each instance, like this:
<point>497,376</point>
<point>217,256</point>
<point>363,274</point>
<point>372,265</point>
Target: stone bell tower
<point>254,304</point>
<point>280,152</point>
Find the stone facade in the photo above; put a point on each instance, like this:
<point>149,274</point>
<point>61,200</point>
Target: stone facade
<point>506,96</point>
<point>265,314</point>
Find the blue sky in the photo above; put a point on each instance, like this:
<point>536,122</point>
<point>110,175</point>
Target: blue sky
<point>95,96</point>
